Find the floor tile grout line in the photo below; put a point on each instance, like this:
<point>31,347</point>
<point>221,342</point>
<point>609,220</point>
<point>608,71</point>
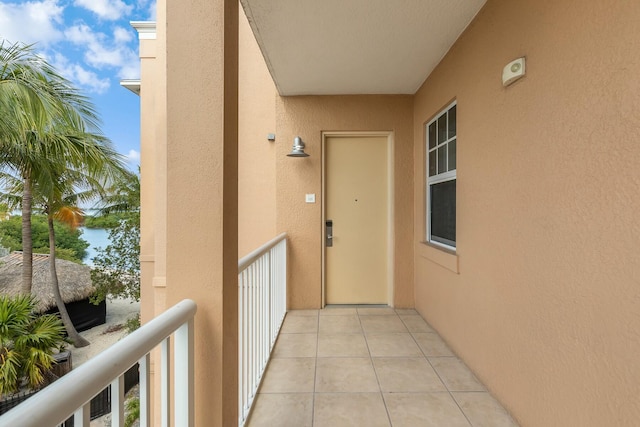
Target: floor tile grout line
<point>459,407</point>
<point>315,371</point>
<point>439,376</point>
<point>420,347</point>
<point>371,358</point>
<point>375,372</point>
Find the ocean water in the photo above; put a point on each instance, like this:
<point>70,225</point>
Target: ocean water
<point>97,238</point>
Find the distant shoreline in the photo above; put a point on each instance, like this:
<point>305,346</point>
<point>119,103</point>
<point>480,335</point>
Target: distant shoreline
<point>97,238</point>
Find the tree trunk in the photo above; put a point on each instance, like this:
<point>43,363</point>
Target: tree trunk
<point>74,336</point>
<point>27,242</point>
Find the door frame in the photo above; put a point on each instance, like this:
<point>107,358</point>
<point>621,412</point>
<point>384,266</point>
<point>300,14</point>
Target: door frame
<point>390,208</point>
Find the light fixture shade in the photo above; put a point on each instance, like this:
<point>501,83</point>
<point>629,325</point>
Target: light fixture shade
<point>298,148</point>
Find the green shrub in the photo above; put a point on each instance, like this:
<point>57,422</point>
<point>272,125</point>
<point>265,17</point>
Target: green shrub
<point>27,343</point>
<point>116,271</point>
<point>132,409</point>
<point>11,237</point>
<point>133,323</point>
<point>106,221</point>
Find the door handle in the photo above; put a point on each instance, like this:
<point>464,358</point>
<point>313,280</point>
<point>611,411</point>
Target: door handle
<point>328,236</point>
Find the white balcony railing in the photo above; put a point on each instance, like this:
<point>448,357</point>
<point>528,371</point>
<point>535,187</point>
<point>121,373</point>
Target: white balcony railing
<point>262,305</point>
<point>71,394</point>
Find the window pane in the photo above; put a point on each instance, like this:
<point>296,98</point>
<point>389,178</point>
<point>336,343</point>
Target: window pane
<point>443,212</point>
<point>452,155</point>
<point>452,122</point>
<point>432,135</point>
<point>442,159</point>
<point>432,163</point>
<point>442,129</point>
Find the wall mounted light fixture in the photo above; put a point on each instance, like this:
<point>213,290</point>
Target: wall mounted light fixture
<point>298,148</point>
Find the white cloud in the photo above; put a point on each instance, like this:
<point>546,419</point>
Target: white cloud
<point>133,157</point>
<point>122,35</point>
<point>131,69</point>
<point>79,34</point>
<point>102,54</point>
<point>80,75</point>
<point>31,22</point>
<point>152,11</point>
<point>105,53</point>
<point>148,6</point>
<point>97,54</point>
<point>89,79</point>
<point>106,9</point>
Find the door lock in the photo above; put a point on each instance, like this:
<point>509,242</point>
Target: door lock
<point>328,237</point>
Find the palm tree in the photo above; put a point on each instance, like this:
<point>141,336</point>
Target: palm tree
<point>4,211</point>
<point>27,342</point>
<point>61,200</point>
<point>122,196</point>
<point>36,102</point>
<point>59,189</point>
<point>77,339</point>
<point>54,206</point>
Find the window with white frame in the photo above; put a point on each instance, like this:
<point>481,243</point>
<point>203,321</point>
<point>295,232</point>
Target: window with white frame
<point>441,178</point>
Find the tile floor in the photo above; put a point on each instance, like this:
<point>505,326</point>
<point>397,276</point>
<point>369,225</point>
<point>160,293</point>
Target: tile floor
<point>369,367</point>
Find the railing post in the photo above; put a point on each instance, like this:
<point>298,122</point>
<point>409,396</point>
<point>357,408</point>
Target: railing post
<point>165,383</point>
<point>273,258</point>
<point>144,367</point>
<point>82,417</point>
<point>117,402</point>
<point>184,390</point>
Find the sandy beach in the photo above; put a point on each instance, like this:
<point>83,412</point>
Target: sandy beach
<point>103,336</point>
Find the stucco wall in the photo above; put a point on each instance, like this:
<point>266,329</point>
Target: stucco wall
<point>308,117</point>
<point>202,193</point>
<point>256,155</point>
<point>149,169</point>
<point>545,304</point>
<point>153,182</point>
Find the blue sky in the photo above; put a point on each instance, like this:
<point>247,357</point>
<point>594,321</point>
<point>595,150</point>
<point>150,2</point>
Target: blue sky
<point>91,43</point>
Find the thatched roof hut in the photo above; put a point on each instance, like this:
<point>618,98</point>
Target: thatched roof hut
<point>74,279</point>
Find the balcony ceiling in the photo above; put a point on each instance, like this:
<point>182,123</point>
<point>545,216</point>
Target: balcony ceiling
<point>331,47</point>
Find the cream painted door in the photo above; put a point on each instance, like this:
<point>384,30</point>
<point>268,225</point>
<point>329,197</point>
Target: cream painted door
<point>356,202</point>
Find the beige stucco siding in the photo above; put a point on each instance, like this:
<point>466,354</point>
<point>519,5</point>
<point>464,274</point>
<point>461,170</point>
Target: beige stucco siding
<point>256,155</point>
<point>202,193</point>
<point>544,304</point>
<point>308,117</point>
<point>149,168</point>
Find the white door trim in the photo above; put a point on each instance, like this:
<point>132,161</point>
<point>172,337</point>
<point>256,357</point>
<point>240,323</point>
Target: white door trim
<point>390,195</point>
